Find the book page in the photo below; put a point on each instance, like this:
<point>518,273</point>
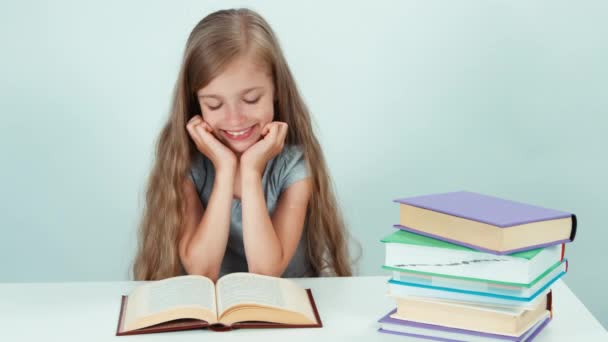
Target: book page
<point>508,310</point>
<point>249,288</point>
<point>178,292</point>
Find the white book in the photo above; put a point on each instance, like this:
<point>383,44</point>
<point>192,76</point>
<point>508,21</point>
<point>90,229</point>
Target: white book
<point>481,286</point>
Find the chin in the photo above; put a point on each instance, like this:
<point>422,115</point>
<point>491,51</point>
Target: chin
<point>241,147</point>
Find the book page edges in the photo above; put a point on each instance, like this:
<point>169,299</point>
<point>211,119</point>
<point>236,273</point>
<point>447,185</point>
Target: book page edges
<point>262,324</point>
<point>482,234</point>
<point>407,310</point>
<point>172,320</point>
<point>483,329</point>
<point>551,268</point>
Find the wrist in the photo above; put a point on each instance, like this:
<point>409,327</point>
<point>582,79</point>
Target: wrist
<point>227,170</point>
<point>250,175</point>
<point>250,167</point>
<point>225,162</point>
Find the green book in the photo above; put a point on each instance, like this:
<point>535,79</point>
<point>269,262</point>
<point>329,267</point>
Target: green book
<point>415,253</point>
<point>402,236</point>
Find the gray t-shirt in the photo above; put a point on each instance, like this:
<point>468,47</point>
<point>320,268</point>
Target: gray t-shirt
<point>283,170</point>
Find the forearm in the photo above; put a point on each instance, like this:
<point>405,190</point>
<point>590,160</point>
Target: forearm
<point>262,246</point>
<point>208,244</point>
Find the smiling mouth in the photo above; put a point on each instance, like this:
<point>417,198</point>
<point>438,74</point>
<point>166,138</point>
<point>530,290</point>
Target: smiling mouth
<point>239,135</point>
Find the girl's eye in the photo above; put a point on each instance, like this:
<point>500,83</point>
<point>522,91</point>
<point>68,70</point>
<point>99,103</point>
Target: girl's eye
<point>253,101</point>
<point>214,107</point>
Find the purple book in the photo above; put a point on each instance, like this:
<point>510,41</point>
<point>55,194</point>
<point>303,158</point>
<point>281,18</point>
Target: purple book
<point>433,332</point>
<point>486,223</point>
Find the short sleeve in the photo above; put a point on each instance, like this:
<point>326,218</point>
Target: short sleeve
<point>198,173</point>
<point>294,167</point>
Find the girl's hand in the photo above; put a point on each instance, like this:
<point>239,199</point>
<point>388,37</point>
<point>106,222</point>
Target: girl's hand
<point>258,155</point>
<point>202,134</point>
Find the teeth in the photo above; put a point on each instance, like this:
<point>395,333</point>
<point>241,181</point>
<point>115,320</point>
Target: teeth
<point>238,133</point>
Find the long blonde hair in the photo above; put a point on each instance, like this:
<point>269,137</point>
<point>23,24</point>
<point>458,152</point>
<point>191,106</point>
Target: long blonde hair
<point>215,41</point>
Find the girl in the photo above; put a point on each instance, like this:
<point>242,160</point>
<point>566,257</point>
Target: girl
<point>239,182</point>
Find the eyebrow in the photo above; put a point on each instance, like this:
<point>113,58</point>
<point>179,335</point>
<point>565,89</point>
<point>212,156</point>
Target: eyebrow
<point>243,92</point>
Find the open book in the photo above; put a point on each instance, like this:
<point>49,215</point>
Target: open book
<point>237,300</point>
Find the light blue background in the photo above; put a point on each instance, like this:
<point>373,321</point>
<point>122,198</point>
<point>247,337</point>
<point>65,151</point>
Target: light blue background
<point>507,98</point>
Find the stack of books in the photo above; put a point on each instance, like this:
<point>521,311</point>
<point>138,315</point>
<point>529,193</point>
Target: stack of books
<point>472,267</point>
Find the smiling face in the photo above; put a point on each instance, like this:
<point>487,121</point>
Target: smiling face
<point>238,103</point>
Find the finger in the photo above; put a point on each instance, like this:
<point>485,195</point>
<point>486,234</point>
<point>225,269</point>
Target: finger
<point>194,120</point>
<point>194,134</point>
<point>190,127</point>
<point>201,132</point>
<point>273,132</point>
<point>266,129</point>
<point>207,135</point>
<point>283,132</point>
<point>210,129</point>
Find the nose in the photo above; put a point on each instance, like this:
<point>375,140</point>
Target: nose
<point>235,114</point>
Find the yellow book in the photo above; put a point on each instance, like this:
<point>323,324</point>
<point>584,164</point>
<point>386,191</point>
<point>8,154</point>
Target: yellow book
<point>481,318</point>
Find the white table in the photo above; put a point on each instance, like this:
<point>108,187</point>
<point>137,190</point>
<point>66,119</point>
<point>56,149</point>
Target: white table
<point>349,308</point>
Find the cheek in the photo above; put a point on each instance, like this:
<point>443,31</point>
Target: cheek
<point>266,113</point>
<point>211,119</point>
<point>266,118</point>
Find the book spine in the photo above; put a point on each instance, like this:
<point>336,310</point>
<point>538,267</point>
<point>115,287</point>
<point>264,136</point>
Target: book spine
<point>220,327</point>
<point>573,231</point>
<point>550,303</point>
